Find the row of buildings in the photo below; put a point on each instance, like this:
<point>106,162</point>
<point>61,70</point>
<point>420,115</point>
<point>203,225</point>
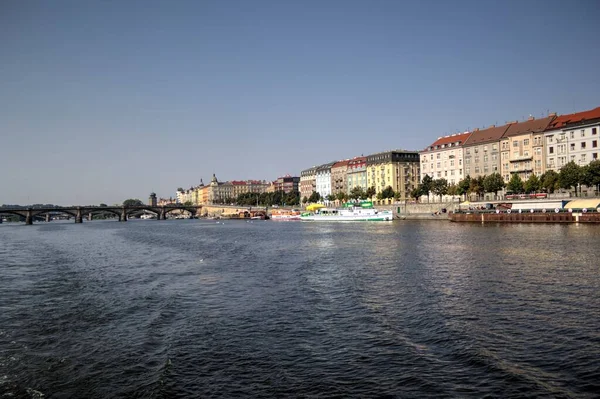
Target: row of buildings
<point>398,169</point>
<point>217,192</point>
<point>528,147</point>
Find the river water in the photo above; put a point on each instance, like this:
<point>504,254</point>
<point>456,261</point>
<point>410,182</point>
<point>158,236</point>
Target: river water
<point>195,308</point>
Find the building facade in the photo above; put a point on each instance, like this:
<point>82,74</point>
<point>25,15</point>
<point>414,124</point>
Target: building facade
<point>357,173</point>
<point>573,137</point>
<point>481,151</point>
<point>443,159</point>
<point>323,179</point>
<point>398,169</point>
<point>339,177</point>
<point>287,184</point>
<point>308,182</point>
<point>521,148</point>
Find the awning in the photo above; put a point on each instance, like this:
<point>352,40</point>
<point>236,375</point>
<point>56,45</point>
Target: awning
<point>583,203</point>
<point>314,207</point>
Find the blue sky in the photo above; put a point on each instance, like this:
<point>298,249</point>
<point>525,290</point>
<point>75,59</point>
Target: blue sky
<point>101,101</point>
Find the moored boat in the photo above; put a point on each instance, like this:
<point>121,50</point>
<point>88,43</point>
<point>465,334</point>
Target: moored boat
<point>285,214</point>
<point>359,212</point>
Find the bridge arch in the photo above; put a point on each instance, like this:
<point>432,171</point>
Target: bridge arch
<point>192,210</point>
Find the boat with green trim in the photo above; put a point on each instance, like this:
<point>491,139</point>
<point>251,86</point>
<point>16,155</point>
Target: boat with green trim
<point>350,212</point>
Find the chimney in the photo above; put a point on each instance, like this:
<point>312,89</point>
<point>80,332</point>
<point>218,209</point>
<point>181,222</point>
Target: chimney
<point>476,129</point>
<point>491,126</point>
<point>552,114</point>
<point>531,117</point>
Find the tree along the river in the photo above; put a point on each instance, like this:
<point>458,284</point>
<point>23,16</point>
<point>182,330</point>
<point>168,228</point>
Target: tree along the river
<point>532,185</point>
<point>570,176</point>
<point>439,187</point>
<point>549,181</point>
<point>515,184</point>
<point>493,183</point>
<point>133,202</point>
<point>591,175</point>
<point>426,185</point>
<point>314,197</point>
<point>463,186</point>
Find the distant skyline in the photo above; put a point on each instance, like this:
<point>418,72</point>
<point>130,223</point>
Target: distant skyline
<point>101,101</point>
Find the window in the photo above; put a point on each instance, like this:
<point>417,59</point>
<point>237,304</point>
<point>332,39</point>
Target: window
<point>572,157</point>
<point>494,157</point>
<point>439,174</point>
<point>452,162</point>
<point>445,173</point>
<point>431,157</point>
<point>467,151</point>
<point>583,145</point>
<point>550,139</point>
<point>460,162</point>
<point>485,148</point>
<point>485,158</point>
<point>476,169</point>
<point>515,143</point>
<point>439,165</point>
<point>583,157</point>
<point>594,131</point>
<point>582,132</point>
<point>438,155</point>
<point>572,135</point>
<point>494,147</point>
<point>572,146</point>
<point>595,155</point>
<point>594,143</point>
<point>526,142</point>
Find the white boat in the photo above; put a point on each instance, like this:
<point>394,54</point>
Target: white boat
<point>360,212</point>
<point>285,214</point>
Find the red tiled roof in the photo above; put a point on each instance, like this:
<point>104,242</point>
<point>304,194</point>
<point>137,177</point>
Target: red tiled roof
<point>492,133</point>
<point>238,183</point>
<point>529,126</point>
<point>455,138</point>
<point>339,164</point>
<point>577,117</point>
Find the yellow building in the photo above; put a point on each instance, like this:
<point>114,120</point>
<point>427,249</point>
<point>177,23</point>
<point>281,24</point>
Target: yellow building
<point>397,169</point>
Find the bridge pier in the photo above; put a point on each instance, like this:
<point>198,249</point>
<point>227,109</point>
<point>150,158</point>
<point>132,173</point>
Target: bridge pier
<point>29,217</point>
<point>48,217</point>
<point>123,217</point>
<point>78,216</point>
<point>162,215</point>
<point>90,215</point>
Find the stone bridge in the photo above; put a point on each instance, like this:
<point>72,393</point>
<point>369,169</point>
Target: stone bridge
<point>122,212</point>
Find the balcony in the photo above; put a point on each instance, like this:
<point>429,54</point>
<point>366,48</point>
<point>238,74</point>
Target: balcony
<point>522,158</point>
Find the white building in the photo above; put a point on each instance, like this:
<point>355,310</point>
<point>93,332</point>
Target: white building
<point>323,179</point>
<point>444,158</point>
<point>573,137</point>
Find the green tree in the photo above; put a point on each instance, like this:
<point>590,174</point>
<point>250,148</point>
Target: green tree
<point>305,199</point>
<point>439,187</point>
<point>591,175</point>
<point>357,193</point>
<point>549,181</point>
<point>493,183</point>
<point>426,185</point>
<point>371,192</point>
<point>417,192</point>
<point>314,197</point>
<point>103,205</point>
<point>189,203</point>
<point>515,185</point>
<point>341,196</point>
<point>452,188</point>
<point>463,186</point>
<point>132,202</point>
<point>570,176</point>
<point>330,197</point>
<point>388,192</point>
<point>532,185</point>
